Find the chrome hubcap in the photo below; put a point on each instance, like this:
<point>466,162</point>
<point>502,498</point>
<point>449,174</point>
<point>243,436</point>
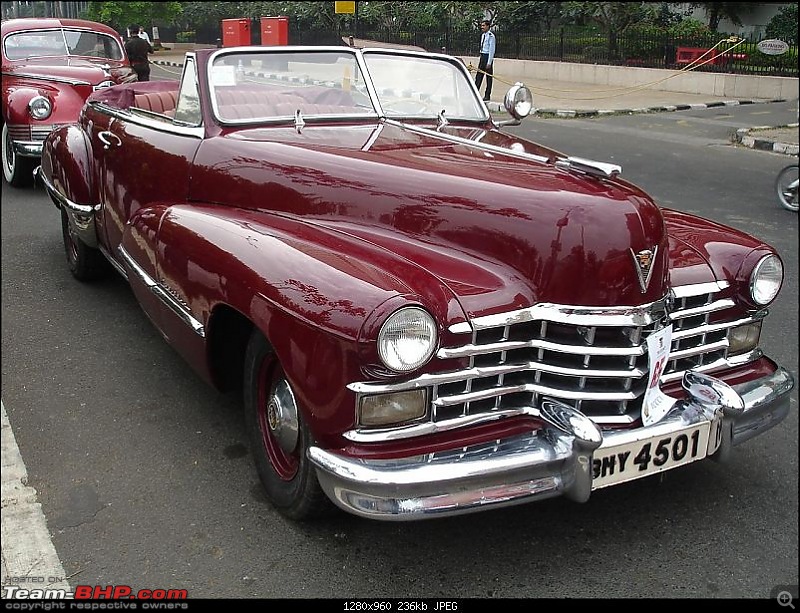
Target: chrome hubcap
<point>282,416</point>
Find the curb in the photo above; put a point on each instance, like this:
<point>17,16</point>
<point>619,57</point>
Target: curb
<point>743,137</point>
<point>496,106</point>
<point>651,109</point>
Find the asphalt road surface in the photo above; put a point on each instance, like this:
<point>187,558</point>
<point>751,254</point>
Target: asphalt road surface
<point>145,479</point>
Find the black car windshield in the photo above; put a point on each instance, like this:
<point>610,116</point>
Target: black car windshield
<point>48,43</point>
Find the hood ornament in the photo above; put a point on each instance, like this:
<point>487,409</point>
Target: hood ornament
<point>643,263</point>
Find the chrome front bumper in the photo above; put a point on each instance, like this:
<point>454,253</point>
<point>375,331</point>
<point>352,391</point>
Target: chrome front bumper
<point>28,149</point>
<point>554,461</point>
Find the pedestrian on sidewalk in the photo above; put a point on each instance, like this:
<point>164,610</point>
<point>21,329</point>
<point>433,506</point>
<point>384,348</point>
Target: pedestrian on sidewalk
<point>486,61</point>
<point>138,49</point>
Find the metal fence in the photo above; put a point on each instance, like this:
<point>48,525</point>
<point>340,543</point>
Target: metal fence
<point>653,51</point>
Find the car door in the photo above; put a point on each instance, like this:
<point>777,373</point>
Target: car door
<point>142,162</point>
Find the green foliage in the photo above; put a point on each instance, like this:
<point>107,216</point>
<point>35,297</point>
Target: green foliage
<point>689,28</point>
<point>783,26</point>
<point>185,37</point>
<point>612,16</point>
<point>120,15</point>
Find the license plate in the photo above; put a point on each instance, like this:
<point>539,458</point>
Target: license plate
<point>628,461</point>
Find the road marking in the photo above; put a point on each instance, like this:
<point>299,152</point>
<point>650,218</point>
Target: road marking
<point>28,550</point>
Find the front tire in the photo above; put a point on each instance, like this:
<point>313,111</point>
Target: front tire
<point>17,170</point>
<point>279,437</point>
<point>85,263</point>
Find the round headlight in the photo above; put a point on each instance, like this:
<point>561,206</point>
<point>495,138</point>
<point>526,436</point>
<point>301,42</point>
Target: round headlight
<point>766,280</point>
<point>40,107</point>
<point>518,101</point>
<point>407,339</point>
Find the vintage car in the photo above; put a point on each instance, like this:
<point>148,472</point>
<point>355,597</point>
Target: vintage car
<point>50,67</point>
<point>427,314</point>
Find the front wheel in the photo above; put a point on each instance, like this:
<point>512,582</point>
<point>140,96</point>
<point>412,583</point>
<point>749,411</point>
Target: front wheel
<point>17,170</point>
<point>85,263</point>
<point>279,438</point>
<point>786,187</point>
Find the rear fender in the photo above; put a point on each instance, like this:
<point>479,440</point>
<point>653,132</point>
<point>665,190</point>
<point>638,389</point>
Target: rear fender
<point>66,174</point>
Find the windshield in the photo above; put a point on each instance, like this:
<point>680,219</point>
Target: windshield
<point>249,86</point>
<point>43,43</point>
<point>411,85</point>
<point>252,86</point>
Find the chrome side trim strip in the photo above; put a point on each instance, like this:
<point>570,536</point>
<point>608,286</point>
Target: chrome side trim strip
<point>162,294</point>
<point>152,123</point>
<point>467,142</point>
<point>38,77</point>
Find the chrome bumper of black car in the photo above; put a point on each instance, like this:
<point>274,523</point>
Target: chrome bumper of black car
<point>81,216</point>
<point>566,458</point>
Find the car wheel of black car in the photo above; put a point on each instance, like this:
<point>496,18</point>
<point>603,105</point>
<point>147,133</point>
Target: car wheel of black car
<point>18,171</point>
<point>279,437</point>
<point>85,263</point>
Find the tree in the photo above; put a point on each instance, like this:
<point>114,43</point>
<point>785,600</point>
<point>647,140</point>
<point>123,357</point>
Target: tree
<point>717,11</point>
<point>120,15</point>
<point>783,26</point>
<point>613,17</point>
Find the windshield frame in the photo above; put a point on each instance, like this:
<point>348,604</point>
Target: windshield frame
<point>370,91</point>
<point>64,51</point>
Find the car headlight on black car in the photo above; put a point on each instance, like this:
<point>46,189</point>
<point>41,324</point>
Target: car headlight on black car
<point>40,107</point>
<point>407,339</point>
<point>766,280</point>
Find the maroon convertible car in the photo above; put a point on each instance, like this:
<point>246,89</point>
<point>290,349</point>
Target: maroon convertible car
<point>50,67</point>
<point>428,316</point>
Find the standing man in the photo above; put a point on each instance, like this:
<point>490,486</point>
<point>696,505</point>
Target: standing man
<point>488,46</point>
<point>137,49</point>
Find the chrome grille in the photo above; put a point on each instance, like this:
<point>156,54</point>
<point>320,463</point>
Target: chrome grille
<point>40,132</point>
<point>31,133</point>
<point>19,132</point>
<point>594,359</point>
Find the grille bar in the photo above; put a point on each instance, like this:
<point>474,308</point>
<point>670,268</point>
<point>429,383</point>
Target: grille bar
<point>593,358</point>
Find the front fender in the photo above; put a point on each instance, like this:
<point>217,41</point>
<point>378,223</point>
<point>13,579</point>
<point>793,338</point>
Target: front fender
<point>66,100</point>
<point>310,290</point>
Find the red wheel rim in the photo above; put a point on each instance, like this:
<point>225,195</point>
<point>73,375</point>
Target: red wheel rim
<point>284,464</point>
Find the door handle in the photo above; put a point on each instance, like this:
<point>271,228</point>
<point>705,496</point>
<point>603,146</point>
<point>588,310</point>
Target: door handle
<point>108,139</point>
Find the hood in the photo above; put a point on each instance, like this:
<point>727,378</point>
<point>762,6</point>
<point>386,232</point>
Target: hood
<point>522,230</point>
<point>93,71</point>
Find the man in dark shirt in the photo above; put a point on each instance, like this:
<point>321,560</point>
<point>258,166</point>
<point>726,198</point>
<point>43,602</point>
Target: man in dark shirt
<point>137,49</point>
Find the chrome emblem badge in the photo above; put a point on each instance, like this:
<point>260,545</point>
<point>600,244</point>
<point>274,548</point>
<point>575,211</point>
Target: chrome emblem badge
<point>643,262</point>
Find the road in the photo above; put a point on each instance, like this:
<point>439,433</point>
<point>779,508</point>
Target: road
<point>144,476</point>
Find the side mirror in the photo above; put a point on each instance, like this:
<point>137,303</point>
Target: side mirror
<point>518,103</point>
